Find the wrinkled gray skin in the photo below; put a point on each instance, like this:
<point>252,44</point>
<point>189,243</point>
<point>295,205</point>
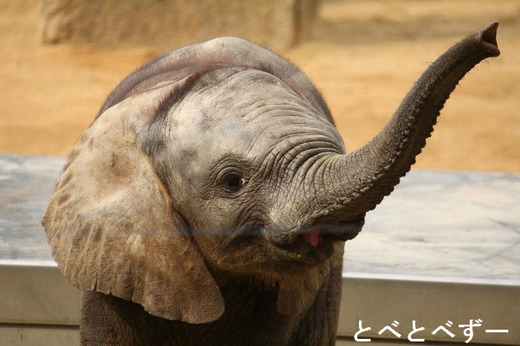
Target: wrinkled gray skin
<point>210,201</point>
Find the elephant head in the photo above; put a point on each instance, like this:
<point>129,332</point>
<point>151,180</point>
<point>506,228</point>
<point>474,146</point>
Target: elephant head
<point>222,157</point>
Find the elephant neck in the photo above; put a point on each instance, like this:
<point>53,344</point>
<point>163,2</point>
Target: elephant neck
<point>250,318</point>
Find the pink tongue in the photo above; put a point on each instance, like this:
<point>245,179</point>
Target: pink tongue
<point>312,238</point>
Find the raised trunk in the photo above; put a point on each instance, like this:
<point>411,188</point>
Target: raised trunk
<point>360,180</point>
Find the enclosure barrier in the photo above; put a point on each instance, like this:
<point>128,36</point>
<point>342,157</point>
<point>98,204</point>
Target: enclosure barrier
<point>438,260</point>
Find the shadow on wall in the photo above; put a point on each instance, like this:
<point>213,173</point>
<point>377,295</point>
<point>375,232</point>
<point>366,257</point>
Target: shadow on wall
<point>276,24</point>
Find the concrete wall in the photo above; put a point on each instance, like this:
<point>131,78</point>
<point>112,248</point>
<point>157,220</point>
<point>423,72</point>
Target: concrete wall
<point>168,24</point>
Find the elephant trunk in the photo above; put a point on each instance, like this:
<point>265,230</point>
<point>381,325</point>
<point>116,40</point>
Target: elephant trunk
<point>357,182</point>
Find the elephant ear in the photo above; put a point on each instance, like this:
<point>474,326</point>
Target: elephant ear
<point>111,226</point>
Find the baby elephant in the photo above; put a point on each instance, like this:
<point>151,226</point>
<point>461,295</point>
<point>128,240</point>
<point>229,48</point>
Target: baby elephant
<point>210,201</point>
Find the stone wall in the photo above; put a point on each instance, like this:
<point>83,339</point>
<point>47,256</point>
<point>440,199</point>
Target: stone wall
<point>168,24</point>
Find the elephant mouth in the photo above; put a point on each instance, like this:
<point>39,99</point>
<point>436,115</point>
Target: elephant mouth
<point>319,233</point>
<point>310,245</point>
<point>314,236</point>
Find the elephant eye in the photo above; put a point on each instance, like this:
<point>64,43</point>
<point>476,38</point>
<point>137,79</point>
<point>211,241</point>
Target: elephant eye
<point>232,181</point>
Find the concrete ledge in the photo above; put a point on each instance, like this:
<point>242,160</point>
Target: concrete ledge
<point>23,335</point>
<point>35,293</point>
<point>380,301</point>
<point>444,247</point>
<point>276,24</point>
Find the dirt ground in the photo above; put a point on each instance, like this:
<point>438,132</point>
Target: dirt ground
<point>364,56</point>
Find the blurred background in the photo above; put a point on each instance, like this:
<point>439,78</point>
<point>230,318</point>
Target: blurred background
<point>59,59</point>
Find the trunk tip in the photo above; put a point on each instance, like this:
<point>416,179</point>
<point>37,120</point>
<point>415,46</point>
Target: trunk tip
<point>488,35</point>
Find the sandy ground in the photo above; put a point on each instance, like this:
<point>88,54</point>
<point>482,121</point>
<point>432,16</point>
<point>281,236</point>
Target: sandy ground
<point>364,55</point>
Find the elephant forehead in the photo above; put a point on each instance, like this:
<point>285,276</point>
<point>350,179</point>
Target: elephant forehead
<point>244,96</point>
<point>248,111</point>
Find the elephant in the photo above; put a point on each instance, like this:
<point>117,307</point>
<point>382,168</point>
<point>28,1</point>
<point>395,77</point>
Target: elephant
<point>210,200</point>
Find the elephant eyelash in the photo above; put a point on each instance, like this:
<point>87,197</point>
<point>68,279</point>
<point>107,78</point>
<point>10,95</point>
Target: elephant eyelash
<point>230,174</point>
<point>232,181</point>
